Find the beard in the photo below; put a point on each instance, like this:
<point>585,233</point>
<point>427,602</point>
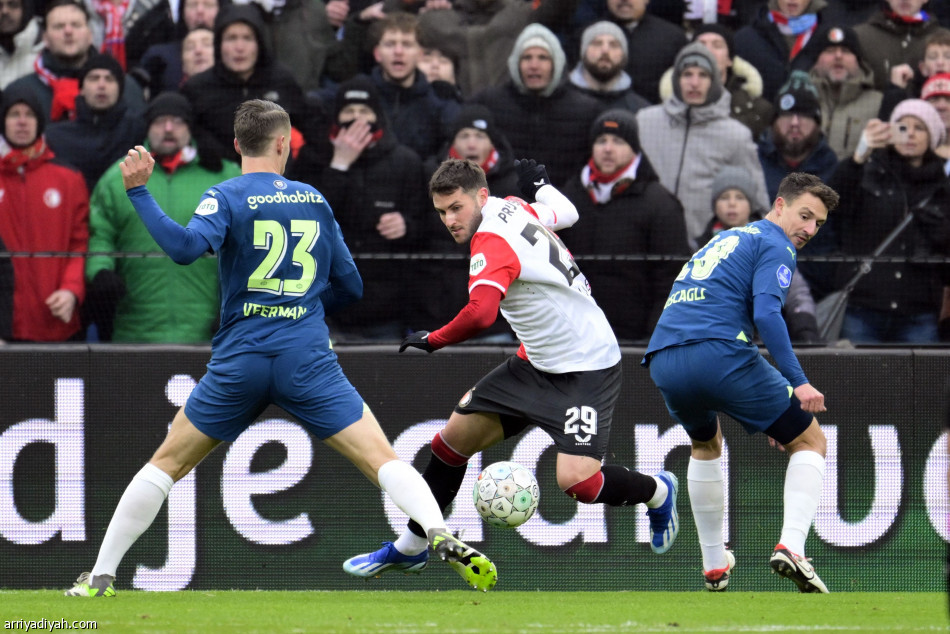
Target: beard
<point>799,148</point>
<point>602,74</point>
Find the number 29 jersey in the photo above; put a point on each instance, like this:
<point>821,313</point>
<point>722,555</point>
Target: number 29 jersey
<point>547,299</point>
<point>278,248</point>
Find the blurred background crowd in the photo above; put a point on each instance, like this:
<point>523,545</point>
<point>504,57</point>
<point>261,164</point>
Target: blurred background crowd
<point>664,121</point>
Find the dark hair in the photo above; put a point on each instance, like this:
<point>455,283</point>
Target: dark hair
<point>55,4</point>
<point>398,21</point>
<point>456,174</point>
<point>798,183</point>
<point>256,122</point>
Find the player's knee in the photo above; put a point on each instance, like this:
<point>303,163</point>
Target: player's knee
<point>587,490</point>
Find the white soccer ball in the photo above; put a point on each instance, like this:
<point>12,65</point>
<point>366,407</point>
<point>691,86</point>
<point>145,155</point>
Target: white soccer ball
<point>506,494</point>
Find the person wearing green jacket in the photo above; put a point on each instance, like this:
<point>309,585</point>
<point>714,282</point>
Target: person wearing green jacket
<point>150,299</point>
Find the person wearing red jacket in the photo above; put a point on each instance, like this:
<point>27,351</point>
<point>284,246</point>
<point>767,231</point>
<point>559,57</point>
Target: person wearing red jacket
<point>44,207</point>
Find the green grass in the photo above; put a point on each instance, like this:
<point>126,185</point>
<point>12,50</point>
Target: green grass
<point>464,611</point>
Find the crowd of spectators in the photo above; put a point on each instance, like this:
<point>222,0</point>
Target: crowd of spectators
<point>664,122</point>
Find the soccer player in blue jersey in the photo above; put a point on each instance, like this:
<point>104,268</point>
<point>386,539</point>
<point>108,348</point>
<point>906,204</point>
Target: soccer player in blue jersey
<point>283,265</point>
<point>702,358</point>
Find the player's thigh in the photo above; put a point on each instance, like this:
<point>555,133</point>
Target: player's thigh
<point>811,439</point>
<point>470,433</point>
<point>364,444</point>
<point>183,448</point>
<point>573,469</point>
<point>311,386</point>
<point>230,396</point>
<point>757,395</point>
<point>700,379</point>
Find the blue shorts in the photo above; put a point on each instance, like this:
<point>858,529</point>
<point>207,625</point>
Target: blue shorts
<point>699,379</point>
<point>309,384</point>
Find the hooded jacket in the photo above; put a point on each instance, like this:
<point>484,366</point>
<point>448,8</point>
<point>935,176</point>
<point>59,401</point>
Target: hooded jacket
<point>44,206</point>
<point>20,50</point>
<point>217,92</point>
<point>549,126</point>
<point>688,145</point>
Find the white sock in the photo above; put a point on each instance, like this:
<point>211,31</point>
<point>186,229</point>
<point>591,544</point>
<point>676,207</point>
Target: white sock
<point>136,511</point>
<point>806,471</point>
<point>659,496</point>
<point>410,544</point>
<point>707,499</point>
<point>409,491</point>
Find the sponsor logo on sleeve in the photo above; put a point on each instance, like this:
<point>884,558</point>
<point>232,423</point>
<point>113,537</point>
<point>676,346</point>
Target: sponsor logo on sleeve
<point>477,264</point>
<point>207,207</point>
<point>784,275</point>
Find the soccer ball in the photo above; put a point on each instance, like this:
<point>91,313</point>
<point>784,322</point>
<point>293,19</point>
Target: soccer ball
<point>506,494</point>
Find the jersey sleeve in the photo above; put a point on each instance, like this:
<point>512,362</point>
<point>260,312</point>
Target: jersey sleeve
<point>494,262</point>
<point>212,218</point>
<point>183,244</point>
<point>773,271</point>
<point>552,209</point>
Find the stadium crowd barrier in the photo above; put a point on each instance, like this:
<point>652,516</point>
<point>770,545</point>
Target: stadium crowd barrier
<point>277,510</point>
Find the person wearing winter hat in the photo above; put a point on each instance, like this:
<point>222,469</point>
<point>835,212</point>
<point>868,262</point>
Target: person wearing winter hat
<point>475,136</point>
<point>600,72</point>
<point>45,207</point>
<point>697,115</point>
<point>845,86</point>
<point>893,171</point>
<point>936,92</point>
<point>543,116</point>
<point>740,78</point>
<point>377,188</point>
<point>626,211</point>
<point>244,68</point>
<point>135,300</point>
<point>103,129</point>
<point>794,142</point>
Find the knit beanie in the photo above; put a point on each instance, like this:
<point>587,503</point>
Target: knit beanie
<point>106,62</point>
<point>359,89</point>
<point>720,30</point>
<point>798,95</point>
<point>936,86</point>
<point>619,122</point>
<point>536,35</point>
<point>603,28</point>
<point>169,103</point>
<point>478,117</point>
<point>696,54</point>
<point>15,94</point>
<point>845,36</point>
<point>928,116</point>
<point>731,177</point>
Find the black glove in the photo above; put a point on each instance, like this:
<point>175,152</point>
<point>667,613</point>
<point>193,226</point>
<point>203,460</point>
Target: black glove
<point>418,339</point>
<point>531,177</point>
<point>102,298</point>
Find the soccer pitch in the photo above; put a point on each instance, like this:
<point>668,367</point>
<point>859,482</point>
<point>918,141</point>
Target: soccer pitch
<point>468,611</point>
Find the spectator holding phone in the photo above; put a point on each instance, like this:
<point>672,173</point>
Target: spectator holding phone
<point>895,170</point>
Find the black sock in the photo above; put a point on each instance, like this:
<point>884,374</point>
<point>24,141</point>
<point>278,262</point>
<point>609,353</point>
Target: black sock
<point>444,481</point>
<point>623,487</point>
